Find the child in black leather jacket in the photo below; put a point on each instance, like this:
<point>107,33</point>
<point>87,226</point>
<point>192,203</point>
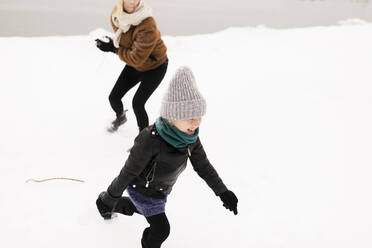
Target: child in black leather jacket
<point>158,156</point>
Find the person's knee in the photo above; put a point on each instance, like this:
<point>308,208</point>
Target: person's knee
<point>155,235</point>
<point>138,105</point>
<point>163,230</point>
<point>112,97</point>
<point>160,229</point>
<point>166,232</point>
<point>159,234</point>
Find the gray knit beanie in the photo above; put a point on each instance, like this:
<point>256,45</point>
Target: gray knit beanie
<point>183,100</point>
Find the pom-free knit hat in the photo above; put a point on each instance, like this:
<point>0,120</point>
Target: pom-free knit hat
<point>183,100</point>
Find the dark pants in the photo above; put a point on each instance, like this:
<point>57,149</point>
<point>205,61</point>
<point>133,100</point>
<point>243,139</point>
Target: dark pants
<point>128,78</point>
<point>154,235</point>
<point>157,233</point>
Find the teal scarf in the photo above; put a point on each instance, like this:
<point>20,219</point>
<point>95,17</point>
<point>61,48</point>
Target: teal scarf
<point>173,135</point>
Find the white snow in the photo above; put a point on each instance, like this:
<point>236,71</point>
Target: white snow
<point>288,128</point>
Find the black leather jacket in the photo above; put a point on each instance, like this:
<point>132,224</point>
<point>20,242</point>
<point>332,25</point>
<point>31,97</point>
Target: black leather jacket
<point>153,166</point>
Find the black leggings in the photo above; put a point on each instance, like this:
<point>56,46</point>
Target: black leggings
<point>157,233</point>
<point>128,78</point>
<point>154,235</point>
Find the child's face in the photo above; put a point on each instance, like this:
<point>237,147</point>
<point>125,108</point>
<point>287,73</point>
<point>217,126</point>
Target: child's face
<point>187,126</point>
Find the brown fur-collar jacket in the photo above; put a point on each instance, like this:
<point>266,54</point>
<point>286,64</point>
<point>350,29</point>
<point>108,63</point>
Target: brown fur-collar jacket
<point>141,46</point>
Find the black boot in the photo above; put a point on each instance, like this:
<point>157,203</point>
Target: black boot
<point>120,120</point>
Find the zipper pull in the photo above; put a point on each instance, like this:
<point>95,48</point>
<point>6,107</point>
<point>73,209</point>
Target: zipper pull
<point>147,184</point>
<point>188,150</point>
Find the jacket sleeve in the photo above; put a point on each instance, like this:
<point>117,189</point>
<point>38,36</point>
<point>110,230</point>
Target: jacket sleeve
<point>205,170</point>
<point>144,42</point>
<point>140,156</point>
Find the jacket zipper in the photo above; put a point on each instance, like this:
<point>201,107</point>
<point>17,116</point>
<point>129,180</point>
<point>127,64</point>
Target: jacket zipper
<point>149,178</point>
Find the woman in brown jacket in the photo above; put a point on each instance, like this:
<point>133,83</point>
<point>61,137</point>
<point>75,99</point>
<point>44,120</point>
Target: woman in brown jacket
<point>137,42</point>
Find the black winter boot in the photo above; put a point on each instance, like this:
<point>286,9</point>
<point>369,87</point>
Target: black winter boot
<point>120,120</point>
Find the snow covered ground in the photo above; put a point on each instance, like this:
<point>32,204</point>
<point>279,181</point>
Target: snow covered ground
<point>288,128</point>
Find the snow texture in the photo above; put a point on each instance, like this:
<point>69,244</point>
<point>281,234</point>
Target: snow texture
<point>288,128</point>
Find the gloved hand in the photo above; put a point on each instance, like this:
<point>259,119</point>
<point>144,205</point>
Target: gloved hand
<point>106,46</point>
<point>106,204</point>
<point>230,201</point>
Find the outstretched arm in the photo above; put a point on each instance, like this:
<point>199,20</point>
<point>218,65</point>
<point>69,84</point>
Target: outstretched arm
<point>206,171</point>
